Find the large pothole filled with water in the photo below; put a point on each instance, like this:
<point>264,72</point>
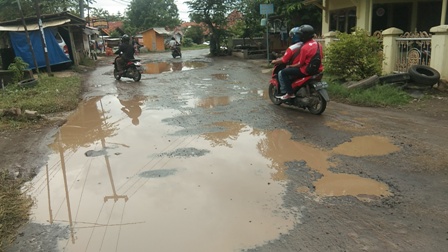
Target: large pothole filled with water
<point>161,67</point>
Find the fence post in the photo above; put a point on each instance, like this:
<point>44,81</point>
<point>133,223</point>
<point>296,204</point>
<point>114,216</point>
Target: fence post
<point>390,49</point>
<point>439,50</point>
<point>329,37</point>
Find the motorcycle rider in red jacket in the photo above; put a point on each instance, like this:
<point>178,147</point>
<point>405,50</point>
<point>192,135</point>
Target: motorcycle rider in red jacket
<point>298,68</point>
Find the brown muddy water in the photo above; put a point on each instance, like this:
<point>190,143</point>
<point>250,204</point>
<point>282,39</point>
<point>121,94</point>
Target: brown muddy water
<point>121,179</point>
<point>161,67</point>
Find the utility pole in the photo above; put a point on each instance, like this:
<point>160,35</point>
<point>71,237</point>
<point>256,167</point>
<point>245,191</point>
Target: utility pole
<point>81,8</point>
<point>28,37</point>
<point>42,38</point>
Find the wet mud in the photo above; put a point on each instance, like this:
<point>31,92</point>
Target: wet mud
<point>200,160</point>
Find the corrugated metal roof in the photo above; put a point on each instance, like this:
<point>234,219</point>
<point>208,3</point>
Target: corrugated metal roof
<point>159,30</point>
<point>33,27</point>
<point>162,31</point>
<point>91,30</point>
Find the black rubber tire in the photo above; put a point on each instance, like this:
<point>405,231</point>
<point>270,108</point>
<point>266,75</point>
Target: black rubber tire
<point>424,75</point>
<point>272,94</point>
<point>138,76</point>
<point>28,83</point>
<point>116,75</point>
<point>320,106</point>
<point>365,83</point>
<point>394,78</point>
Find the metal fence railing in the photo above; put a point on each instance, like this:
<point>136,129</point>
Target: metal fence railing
<point>412,51</point>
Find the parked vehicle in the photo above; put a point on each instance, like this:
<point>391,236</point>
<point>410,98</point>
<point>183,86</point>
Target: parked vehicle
<point>62,44</point>
<point>311,92</point>
<point>133,70</point>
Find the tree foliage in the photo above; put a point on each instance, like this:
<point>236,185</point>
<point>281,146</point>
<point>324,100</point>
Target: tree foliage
<point>145,14</point>
<point>251,19</point>
<point>9,9</point>
<point>294,12</point>
<point>100,13</point>
<point>213,13</point>
<point>196,33</point>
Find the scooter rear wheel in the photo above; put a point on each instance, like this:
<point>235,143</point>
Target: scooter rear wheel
<point>319,104</point>
<point>116,75</point>
<point>272,94</point>
<point>137,76</point>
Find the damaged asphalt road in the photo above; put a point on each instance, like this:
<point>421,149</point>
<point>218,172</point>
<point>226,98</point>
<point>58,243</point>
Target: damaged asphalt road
<point>195,157</point>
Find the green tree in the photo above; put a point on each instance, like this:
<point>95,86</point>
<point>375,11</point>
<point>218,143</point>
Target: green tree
<point>295,12</point>
<point>99,13</point>
<point>9,9</point>
<point>145,14</point>
<point>213,13</point>
<point>252,17</point>
<point>196,33</point>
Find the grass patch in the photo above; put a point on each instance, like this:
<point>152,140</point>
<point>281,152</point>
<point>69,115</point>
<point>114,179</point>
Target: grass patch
<point>14,208</point>
<point>378,96</point>
<point>50,95</point>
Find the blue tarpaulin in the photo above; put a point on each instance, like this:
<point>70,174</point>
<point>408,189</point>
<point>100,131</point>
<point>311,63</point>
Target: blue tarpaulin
<point>22,49</point>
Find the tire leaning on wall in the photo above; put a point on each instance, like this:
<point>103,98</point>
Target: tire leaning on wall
<point>424,75</point>
<point>28,83</point>
<point>394,78</point>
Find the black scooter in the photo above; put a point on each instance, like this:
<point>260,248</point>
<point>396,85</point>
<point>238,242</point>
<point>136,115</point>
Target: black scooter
<point>175,51</point>
<point>133,70</point>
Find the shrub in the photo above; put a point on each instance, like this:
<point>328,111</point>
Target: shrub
<point>17,68</point>
<point>187,42</point>
<point>354,57</point>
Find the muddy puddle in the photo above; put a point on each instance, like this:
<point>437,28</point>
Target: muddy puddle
<point>161,67</point>
<point>121,179</point>
<point>120,185</point>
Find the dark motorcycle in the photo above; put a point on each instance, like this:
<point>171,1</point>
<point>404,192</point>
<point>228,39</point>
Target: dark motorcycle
<point>133,70</point>
<point>311,92</point>
<point>175,51</point>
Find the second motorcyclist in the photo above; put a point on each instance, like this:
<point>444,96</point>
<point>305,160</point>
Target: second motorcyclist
<point>126,52</point>
<point>174,45</point>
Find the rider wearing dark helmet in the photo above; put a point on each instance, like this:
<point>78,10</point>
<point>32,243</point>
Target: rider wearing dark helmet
<point>299,67</point>
<point>291,53</point>
<point>126,52</point>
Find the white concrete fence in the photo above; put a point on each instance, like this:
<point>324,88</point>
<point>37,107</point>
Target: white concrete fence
<point>396,59</point>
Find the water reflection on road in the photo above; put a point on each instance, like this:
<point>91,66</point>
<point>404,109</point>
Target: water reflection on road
<point>125,186</point>
<point>121,179</point>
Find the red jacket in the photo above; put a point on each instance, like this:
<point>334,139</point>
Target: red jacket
<point>307,52</point>
<point>290,52</point>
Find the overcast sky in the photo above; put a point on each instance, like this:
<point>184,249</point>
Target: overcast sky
<point>114,6</point>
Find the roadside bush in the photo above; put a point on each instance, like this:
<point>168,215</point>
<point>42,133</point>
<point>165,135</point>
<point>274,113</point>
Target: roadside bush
<point>354,57</point>
<point>187,42</point>
<point>17,68</point>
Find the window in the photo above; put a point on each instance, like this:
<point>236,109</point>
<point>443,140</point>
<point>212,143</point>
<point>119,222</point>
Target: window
<point>343,20</point>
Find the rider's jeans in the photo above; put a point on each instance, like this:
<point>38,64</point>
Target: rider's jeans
<point>286,75</point>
